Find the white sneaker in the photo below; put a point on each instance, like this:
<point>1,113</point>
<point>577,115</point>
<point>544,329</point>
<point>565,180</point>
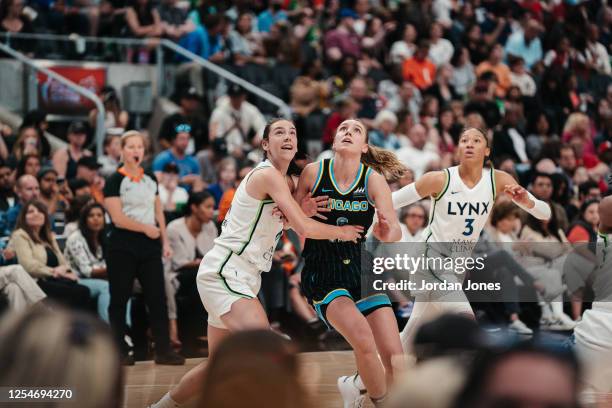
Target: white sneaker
<point>559,323</point>
<point>567,321</point>
<point>352,396</point>
<point>520,327</point>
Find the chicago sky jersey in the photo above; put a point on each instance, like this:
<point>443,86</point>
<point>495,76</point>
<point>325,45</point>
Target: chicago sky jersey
<point>350,207</point>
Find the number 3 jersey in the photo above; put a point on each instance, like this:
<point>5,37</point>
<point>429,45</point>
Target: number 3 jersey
<point>459,213</point>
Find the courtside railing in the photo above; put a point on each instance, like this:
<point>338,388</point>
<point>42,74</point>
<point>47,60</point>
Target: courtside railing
<point>32,63</point>
<point>162,45</point>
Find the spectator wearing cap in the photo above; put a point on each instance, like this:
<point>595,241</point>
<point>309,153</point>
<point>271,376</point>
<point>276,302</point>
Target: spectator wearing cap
<point>171,195</point>
<point>343,40</point>
<point>272,15</point>
<point>187,165</point>
<point>27,189</point>
<point>419,69</point>
<point>525,43</point>
<point>190,112</point>
<point>65,159</point>
<point>51,197</point>
<point>236,122</point>
<point>87,169</point>
<point>112,152</point>
<point>115,116</point>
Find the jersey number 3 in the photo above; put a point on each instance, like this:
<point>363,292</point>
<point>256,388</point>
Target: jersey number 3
<point>469,227</point>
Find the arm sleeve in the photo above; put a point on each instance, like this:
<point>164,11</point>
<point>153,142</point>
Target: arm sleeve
<point>541,210</point>
<point>405,196</point>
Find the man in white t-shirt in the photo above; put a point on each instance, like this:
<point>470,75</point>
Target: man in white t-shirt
<point>420,154</point>
<point>236,122</point>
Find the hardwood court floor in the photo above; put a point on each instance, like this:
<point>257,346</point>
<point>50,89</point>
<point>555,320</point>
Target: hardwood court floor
<point>147,382</point>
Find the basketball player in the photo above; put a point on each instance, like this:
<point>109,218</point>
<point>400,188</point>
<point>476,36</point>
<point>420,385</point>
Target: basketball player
<point>462,199</point>
<point>355,186</point>
<point>593,334</point>
<point>229,277</point>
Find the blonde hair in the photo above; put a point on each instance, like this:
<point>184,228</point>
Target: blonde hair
<point>61,349</point>
<point>381,160</point>
<point>129,134</point>
<point>384,162</point>
<point>575,120</point>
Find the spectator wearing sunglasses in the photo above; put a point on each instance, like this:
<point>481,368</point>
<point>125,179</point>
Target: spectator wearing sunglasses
<point>190,112</point>
<point>188,166</point>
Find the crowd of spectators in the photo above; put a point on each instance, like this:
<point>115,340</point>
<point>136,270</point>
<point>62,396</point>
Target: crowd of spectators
<point>535,74</point>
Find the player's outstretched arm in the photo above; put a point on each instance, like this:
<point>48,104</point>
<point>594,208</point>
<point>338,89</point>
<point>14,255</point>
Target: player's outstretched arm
<point>430,184</point>
<point>386,228</point>
<point>505,183</point>
<point>269,182</point>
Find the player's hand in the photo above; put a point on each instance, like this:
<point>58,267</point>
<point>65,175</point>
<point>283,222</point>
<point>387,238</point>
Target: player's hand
<point>276,212</point>
<point>382,228</point>
<point>151,231</point>
<point>350,233</point>
<point>518,194</point>
<point>314,206</point>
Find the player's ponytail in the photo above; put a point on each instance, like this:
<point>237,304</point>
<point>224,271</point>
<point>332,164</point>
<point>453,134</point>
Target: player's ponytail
<point>384,162</point>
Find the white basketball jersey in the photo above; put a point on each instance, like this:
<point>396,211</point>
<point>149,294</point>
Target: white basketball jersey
<point>249,229</point>
<point>595,328</point>
<point>459,213</point>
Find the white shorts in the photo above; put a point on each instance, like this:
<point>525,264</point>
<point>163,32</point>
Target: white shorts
<point>224,278</point>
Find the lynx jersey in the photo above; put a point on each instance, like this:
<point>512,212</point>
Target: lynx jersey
<point>249,229</point>
<point>459,213</point>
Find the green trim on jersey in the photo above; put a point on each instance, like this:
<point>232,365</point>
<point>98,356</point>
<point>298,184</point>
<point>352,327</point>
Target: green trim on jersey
<point>433,208</point>
<point>605,239</point>
<point>230,290</point>
<point>493,185</point>
<point>333,178</point>
<point>319,177</point>
<point>262,203</point>
<point>445,186</point>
